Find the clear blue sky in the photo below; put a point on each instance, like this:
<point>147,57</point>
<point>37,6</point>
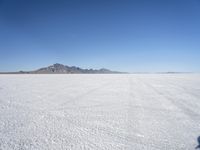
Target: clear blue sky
<point>124,35</point>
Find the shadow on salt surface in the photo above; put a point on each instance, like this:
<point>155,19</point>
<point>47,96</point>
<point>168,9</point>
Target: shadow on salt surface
<point>198,140</point>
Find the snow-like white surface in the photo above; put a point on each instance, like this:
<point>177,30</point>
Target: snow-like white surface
<point>99,112</point>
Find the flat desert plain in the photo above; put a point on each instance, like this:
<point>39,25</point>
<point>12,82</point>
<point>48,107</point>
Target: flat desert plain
<point>100,112</point>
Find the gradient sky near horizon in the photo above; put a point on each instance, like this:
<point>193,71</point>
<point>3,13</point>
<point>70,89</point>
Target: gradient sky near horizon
<point>123,35</point>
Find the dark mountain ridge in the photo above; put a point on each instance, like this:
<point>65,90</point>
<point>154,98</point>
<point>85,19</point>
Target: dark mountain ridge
<point>64,69</point>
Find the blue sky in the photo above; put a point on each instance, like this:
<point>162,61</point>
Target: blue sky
<point>124,35</point>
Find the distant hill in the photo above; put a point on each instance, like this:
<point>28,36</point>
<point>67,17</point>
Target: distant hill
<point>64,69</point>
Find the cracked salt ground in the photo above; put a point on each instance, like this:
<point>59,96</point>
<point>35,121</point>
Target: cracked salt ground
<point>100,112</point>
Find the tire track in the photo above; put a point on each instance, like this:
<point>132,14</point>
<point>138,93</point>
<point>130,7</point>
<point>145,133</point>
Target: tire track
<point>179,103</point>
<point>81,96</point>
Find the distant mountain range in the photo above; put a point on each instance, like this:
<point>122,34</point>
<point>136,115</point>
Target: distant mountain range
<point>64,69</point>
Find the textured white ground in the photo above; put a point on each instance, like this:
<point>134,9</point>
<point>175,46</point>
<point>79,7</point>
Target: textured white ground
<point>99,112</point>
